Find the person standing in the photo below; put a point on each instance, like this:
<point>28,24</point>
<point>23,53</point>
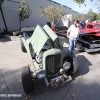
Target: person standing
<point>72,34</point>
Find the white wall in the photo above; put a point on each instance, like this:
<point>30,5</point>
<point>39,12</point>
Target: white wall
<point>35,18</point>
<point>68,20</point>
<point>12,19</point>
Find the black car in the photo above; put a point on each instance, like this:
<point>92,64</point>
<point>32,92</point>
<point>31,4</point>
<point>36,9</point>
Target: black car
<point>88,42</point>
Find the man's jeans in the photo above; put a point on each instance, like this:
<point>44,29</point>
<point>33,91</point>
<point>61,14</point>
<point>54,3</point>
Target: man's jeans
<point>72,44</point>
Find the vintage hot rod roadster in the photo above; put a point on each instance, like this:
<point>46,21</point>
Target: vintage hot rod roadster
<point>44,47</point>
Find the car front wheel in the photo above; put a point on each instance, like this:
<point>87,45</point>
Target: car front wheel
<point>27,81</point>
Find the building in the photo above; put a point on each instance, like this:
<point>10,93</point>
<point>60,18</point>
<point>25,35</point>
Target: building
<point>9,13</point>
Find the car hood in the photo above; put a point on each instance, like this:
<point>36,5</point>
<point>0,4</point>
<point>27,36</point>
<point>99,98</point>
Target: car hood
<point>41,36</point>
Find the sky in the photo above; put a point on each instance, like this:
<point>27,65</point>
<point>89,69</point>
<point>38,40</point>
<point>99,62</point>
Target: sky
<point>82,8</point>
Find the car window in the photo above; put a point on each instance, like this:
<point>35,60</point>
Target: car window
<point>97,26</point>
<point>27,34</point>
<point>89,26</point>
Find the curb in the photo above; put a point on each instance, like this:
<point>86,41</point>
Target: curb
<point>12,38</point>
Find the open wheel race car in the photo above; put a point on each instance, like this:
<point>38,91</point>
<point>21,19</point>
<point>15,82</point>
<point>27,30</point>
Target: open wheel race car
<point>44,48</point>
<point>88,42</point>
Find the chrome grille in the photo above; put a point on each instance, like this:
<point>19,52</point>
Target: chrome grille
<point>53,64</point>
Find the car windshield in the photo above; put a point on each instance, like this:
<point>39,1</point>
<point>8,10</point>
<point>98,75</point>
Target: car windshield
<point>27,34</point>
<point>97,26</point>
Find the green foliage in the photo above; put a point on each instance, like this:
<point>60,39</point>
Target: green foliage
<point>24,10</point>
<point>14,33</point>
<point>92,16</point>
<point>98,17</point>
<point>80,17</point>
<point>52,12</point>
<point>79,1</point>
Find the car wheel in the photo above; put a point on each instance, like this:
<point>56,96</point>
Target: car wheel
<point>27,81</point>
<point>22,46</point>
<point>79,47</point>
<point>74,64</point>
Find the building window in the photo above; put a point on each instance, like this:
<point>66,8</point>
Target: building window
<point>12,5</point>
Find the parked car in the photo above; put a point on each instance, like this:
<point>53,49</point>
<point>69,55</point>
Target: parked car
<point>44,48</point>
<point>89,42</point>
<point>91,27</point>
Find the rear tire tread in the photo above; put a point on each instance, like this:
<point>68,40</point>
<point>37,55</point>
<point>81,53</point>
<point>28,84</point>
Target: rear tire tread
<point>27,81</point>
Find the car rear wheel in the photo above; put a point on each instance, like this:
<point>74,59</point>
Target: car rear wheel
<point>75,66</point>
<point>22,46</point>
<point>27,81</point>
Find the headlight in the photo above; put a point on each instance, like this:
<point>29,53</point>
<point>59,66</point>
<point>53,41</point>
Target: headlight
<point>41,74</point>
<point>66,66</point>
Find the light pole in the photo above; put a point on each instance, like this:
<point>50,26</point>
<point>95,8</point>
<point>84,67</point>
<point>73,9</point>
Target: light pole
<point>1,1</point>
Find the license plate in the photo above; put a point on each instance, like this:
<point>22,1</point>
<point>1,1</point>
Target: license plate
<point>58,81</point>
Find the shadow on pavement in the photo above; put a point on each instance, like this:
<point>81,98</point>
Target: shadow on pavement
<point>82,62</point>
<point>4,40</point>
<point>14,83</point>
<point>10,83</point>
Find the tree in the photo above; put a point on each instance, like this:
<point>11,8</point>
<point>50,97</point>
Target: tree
<point>53,13</point>
<point>24,11</point>
<point>81,1</point>
<point>98,17</point>
<point>80,17</point>
<point>91,16</point>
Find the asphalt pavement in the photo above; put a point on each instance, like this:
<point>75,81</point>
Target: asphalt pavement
<point>85,85</point>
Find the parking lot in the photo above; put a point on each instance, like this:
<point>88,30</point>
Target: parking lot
<point>85,85</point>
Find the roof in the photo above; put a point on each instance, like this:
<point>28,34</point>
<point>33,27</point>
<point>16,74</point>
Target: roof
<point>59,4</point>
<point>28,29</point>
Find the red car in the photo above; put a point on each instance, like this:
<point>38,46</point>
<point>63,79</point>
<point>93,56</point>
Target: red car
<point>92,27</point>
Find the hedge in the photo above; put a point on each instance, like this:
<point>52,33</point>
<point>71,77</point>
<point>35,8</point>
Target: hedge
<point>14,33</point>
